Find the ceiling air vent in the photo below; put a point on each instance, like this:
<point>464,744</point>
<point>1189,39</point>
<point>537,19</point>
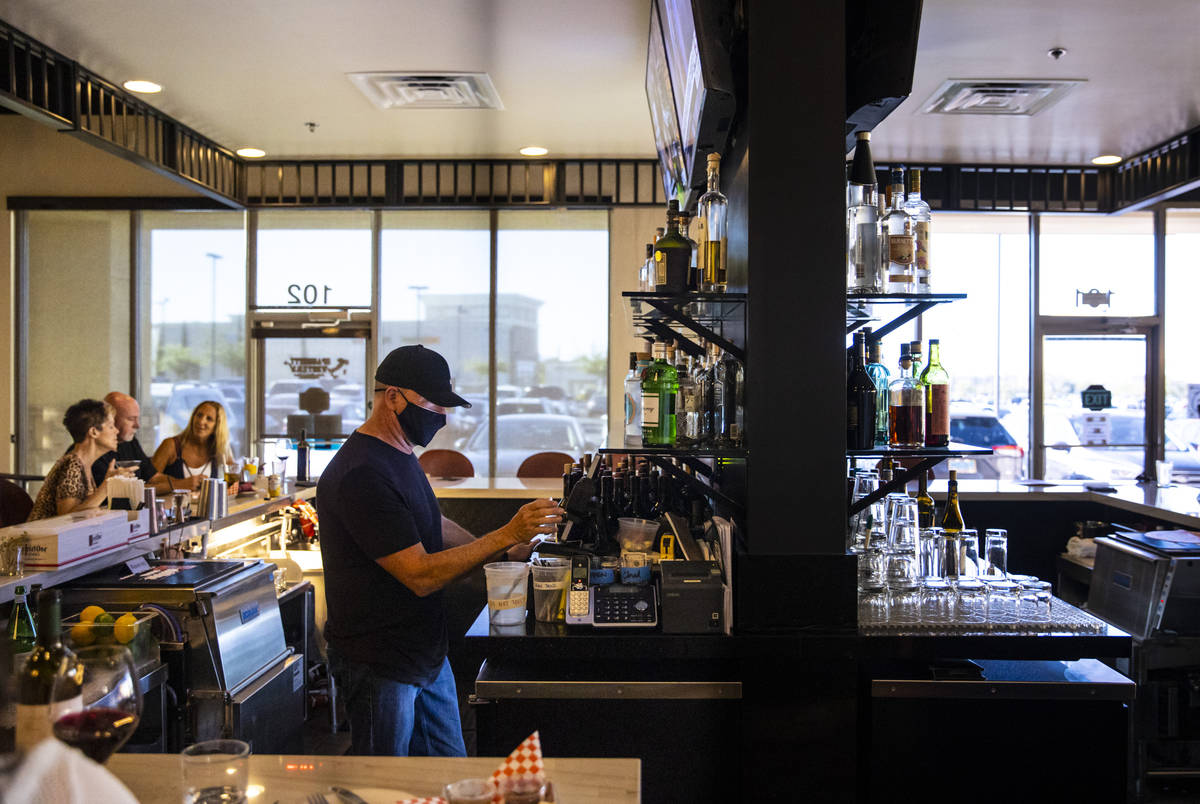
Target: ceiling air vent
<point>997,96</point>
<point>428,90</point>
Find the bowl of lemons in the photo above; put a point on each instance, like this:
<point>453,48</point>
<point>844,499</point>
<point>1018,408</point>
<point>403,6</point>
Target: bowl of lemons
<point>96,626</point>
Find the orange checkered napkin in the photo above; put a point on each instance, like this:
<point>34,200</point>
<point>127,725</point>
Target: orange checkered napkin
<point>525,762</point>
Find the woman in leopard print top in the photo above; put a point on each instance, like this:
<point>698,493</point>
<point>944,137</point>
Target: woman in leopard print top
<point>69,485</point>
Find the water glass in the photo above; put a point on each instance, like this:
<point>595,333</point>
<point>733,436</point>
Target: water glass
<point>900,568</point>
<point>929,552</point>
<point>1002,601</point>
<point>1163,471</point>
<point>215,772</point>
<point>872,607</point>
<point>904,603</point>
<point>894,504</point>
<point>870,569</point>
<point>12,557</point>
<point>968,553</point>
<point>937,602</point>
<point>995,553</point>
<point>1034,605</point>
<point>971,602</point>
<point>903,530</point>
<point>949,557</point>
<point>865,483</point>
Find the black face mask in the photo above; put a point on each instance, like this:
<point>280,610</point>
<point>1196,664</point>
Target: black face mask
<point>420,425</point>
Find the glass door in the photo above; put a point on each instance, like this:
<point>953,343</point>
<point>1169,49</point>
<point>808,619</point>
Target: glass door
<point>1078,443</point>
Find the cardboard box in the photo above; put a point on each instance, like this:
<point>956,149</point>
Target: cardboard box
<point>61,541</point>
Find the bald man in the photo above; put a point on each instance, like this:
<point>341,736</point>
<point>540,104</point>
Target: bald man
<point>127,416</point>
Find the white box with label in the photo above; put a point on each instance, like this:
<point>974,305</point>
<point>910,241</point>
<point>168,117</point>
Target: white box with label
<point>61,541</point>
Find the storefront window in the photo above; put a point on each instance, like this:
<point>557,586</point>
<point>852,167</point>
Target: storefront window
<point>1097,265</point>
<point>551,335</point>
<point>313,259</point>
<point>79,322</point>
<point>196,349</point>
<point>1182,332</point>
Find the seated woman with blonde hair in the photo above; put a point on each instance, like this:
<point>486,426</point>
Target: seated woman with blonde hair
<point>69,485</point>
<point>195,453</point>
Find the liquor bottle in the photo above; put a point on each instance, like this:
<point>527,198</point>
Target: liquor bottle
<point>952,518</point>
<point>863,234</point>
<point>22,632</point>
<point>660,384</point>
<point>728,401</point>
<point>918,209</point>
<point>860,401</point>
<point>638,361</point>
<point>708,416</point>
<point>685,404</point>
<point>898,228</point>
<point>936,381</point>
<point>302,458</point>
<point>646,271</point>
<point>906,406</point>
<point>712,231</point>
<point>914,351</point>
<point>924,502</point>
<point>693,276</point>
<point>883,379</point>
<point>50,681</point>
<point>672,255</point>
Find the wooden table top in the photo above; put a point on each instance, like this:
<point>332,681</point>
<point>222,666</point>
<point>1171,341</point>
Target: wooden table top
<point>156,777</point>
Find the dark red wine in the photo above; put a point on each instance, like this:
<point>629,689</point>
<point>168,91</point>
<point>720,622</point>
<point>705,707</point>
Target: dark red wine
<point>96,732</point>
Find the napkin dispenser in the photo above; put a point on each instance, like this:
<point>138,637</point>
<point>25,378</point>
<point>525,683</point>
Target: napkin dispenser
<point>693,597</point>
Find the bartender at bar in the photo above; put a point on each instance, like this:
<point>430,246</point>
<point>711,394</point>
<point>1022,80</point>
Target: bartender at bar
<point>385,566</point>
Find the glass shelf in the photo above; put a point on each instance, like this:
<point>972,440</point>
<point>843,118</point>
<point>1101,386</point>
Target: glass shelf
<point>678,452</point>
<point>927,452</point>
<point>859,311</point>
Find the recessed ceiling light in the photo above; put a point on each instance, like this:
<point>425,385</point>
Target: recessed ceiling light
<point>145,87</point>
<point>251,153</point>
<point>534,150</point>
<point>1107,159</point>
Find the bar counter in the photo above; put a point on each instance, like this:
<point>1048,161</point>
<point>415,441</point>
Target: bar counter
<point>157,778</point>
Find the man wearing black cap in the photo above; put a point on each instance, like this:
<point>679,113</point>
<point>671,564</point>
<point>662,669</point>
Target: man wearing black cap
<point>385,567</point>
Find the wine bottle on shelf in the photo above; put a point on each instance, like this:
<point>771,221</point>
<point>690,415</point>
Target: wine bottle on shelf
<point>924,502</point>
<point>863,234</point>
<point>906,406</point>
<point>50,681</point>
<point>712,231</point>
<point>936,381</point>
<point>672,255</point>
<point>660,384</point>
<point>952,518</point>
<point>918,209</point>
<point>860,401</point>
<point>898,229</point>
<point>883,379</point>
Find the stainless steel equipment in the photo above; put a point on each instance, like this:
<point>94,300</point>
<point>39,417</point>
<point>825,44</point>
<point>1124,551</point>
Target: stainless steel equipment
<point>1147,582</point>
<point>237,675</point>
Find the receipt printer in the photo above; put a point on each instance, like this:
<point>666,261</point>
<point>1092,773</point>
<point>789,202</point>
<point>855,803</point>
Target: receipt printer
<point>693,597</point>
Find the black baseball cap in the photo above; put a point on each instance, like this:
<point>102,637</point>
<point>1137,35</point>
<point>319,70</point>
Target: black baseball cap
<point>424,371</point>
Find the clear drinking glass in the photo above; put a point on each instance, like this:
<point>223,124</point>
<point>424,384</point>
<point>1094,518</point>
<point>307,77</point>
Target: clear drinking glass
<point>949,558</point>
<point>865,483</point>
<point>1002,602</point>
<point>937,602</point>
<point>903,529</point>
<point>872,607</point>
<point>1034,604</point>
<point>892,502</point>
<point>995,553</point>
<point>971,603</point>
<point>870,569</point>
<point>900,568</point>
<point>968,553</point>
<point>216,772</point>
<point>904,603</point>
<point>929,547</point>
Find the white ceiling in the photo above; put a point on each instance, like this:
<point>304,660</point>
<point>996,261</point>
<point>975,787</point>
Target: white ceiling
<point>570,72</point>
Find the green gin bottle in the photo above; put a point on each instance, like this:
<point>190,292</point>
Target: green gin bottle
<point>660,384</point>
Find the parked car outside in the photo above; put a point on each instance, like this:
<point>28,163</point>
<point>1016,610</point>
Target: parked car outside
<point>981,428</point>
<point>1128,427</point>
<point>519,435</point>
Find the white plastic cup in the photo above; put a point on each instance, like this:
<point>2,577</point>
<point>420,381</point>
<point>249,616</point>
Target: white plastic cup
<point>506,591</point>
<point>1162,472</point>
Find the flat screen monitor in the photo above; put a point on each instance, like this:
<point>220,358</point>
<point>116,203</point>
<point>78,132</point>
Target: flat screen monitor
<point>701,81</point>
<point>663,114</point>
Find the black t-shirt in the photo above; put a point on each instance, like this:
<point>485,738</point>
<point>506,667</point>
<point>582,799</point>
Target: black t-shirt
<point>129,450</point>
<point>374,500</point>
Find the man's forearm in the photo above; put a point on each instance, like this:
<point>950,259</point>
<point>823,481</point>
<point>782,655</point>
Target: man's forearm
<point>432,571</point>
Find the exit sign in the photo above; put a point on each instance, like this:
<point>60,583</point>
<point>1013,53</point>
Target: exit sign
<point>1096,397</point>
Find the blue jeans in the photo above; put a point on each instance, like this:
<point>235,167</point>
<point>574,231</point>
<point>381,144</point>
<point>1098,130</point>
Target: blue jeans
<point>391,718</point>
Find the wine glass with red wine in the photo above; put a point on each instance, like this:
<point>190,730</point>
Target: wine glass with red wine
<point>111,703</point>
